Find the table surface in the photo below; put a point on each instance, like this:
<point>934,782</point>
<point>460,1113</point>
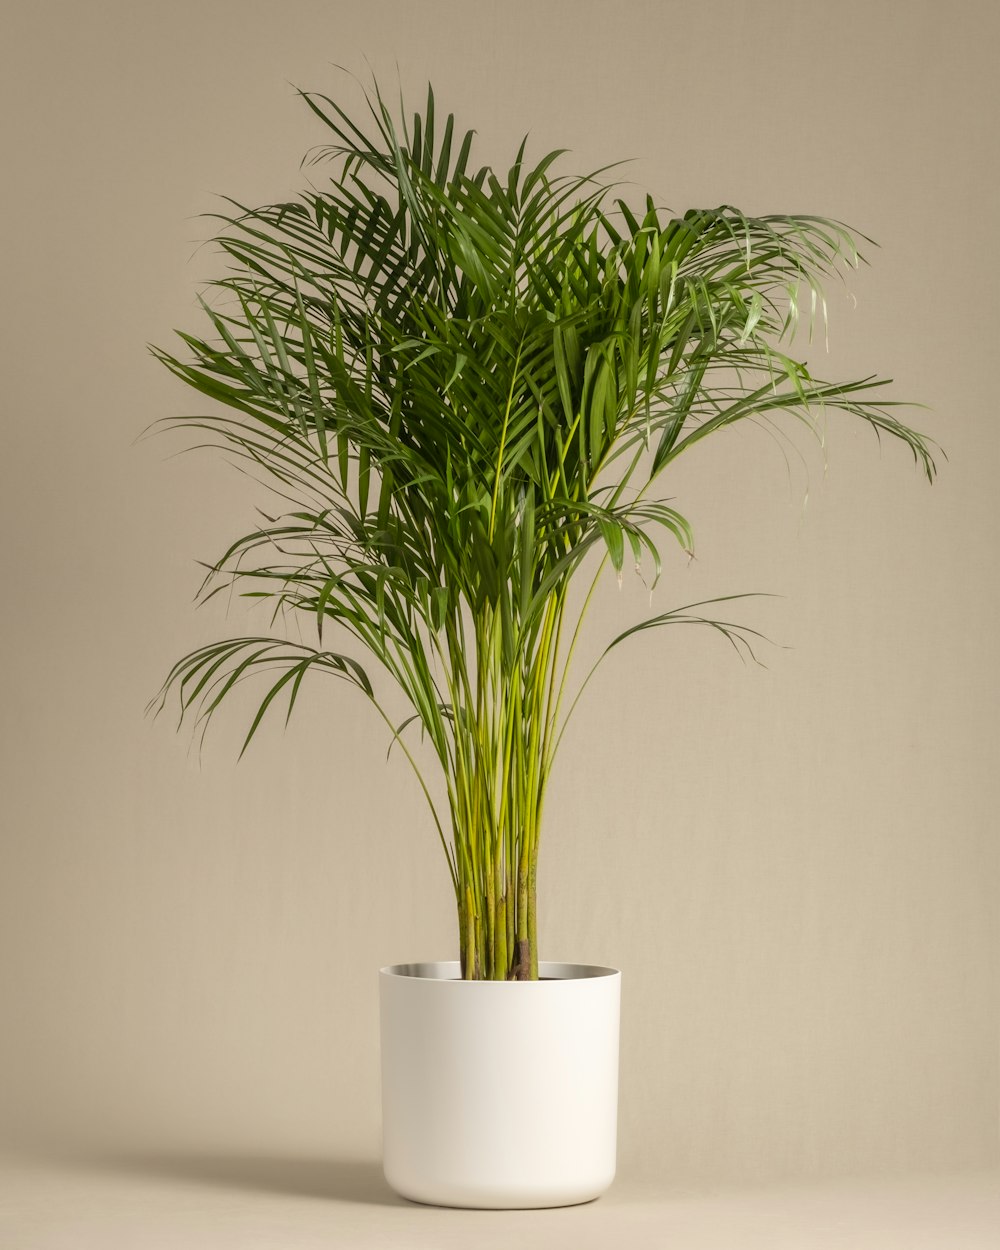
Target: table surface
<point>175,1201</point>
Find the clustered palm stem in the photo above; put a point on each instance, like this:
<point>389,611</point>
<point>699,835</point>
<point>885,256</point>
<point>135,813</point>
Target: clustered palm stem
<point>460,384</point>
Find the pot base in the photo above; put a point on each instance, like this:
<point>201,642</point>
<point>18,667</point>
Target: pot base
<point>489,1201</point>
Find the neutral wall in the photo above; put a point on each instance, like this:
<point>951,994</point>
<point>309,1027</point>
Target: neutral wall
<point>795,866</point>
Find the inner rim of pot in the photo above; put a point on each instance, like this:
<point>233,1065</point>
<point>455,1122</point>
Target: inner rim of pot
<point>450,970</point>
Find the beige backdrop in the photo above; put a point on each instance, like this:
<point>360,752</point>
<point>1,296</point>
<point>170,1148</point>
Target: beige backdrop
<point>795,867</point>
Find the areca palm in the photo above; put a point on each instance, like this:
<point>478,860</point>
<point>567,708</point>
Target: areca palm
<point>461,383</point>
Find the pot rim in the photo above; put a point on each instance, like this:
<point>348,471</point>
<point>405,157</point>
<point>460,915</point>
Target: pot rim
<point>448,972</point>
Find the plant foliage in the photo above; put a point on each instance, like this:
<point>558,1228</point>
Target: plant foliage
<point>461,383</point>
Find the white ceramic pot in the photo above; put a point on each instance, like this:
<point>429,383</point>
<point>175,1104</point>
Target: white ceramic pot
<point>499,1093</point>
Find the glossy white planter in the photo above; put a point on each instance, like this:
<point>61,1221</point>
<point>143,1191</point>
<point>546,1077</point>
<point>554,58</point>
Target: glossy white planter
<point>499,1093</point>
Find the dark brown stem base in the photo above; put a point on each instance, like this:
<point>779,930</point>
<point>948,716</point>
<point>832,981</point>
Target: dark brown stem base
<point>522,966</point>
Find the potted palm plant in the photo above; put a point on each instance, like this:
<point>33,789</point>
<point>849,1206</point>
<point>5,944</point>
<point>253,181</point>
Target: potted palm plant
<point>463,384</point>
